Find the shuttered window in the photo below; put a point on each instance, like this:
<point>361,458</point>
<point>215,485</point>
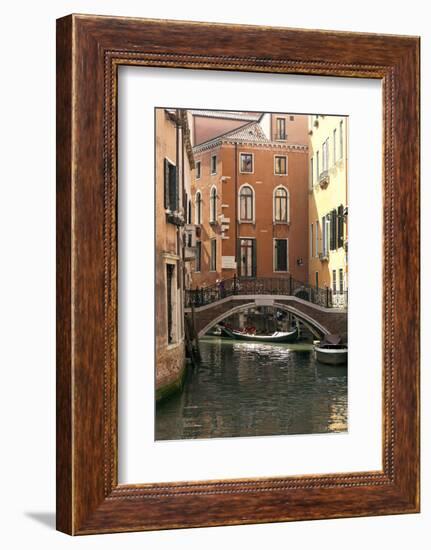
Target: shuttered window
<point>333,232</point>
<point>280,255</point>
<point>340,226</point>
<point>171,189</point>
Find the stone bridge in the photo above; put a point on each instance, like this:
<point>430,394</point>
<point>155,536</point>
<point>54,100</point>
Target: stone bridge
<point>318,319</point>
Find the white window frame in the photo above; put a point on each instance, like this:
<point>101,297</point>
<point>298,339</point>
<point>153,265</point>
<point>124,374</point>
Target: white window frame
<point>253,198</point>
<point>277,118</point>
<point>211,219</point>
<point>274,255</point>
<point>252,162</point>
<point>275,164</point>
<point>211,165</point>
<point>288,204</point>
<point>317,239</point>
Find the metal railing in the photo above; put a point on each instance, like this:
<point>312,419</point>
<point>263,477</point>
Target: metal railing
<point>238,286</point>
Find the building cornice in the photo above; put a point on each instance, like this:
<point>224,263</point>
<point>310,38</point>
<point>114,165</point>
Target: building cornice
<point>250,144</point>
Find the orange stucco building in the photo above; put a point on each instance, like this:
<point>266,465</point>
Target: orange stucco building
<point>250,196</point>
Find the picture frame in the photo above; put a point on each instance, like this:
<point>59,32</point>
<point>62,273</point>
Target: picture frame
<point>89,51</point>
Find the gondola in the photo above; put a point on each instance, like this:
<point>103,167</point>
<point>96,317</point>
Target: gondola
<point>331,351</point>
<point>280,337</point>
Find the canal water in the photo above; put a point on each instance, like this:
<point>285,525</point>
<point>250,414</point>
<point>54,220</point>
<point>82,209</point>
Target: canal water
<point>255,389</point>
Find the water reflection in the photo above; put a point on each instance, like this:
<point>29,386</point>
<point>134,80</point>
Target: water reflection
<point>255,389</point>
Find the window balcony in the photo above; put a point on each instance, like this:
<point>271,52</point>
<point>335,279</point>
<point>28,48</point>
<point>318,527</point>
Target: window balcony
<point>324,179</point>
<point>324,256</point>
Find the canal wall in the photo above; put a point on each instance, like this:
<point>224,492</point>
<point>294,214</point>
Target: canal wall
<point>171,369</point>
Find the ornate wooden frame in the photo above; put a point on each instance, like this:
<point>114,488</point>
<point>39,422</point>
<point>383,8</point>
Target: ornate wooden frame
<point>89,51</point>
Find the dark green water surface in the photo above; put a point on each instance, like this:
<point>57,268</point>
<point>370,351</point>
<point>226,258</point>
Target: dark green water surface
<point>255,389</point>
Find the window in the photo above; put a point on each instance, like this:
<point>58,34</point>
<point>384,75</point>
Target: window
<point>198,256</point>
<point>334,281</point>
<point>246,163</point>
<point>341,140</point>
<point>246,209</point>
<point>213,205</point>
<point>311,240</point>
<point>281,128</point>
<point>189,209</point>
<point>198,170</point>
<point>280,255</point>
<point>333,231</point>
<point>334,153</point>
<point>325,155</point>
<point>171,189</point>
<point>170,302</point>
<point>247,257</point>
<point>340,226</point>
<point>316,279</point>
<point>198,213</point>
<point>213,255</point>
<point>214,164</point>
<point>281,205</point>
<point>311,173</point>
<point>326,234</point>
<point>317,165</point>
<point>341,280</point>
<point>317,240</point>
<point>280,168</point>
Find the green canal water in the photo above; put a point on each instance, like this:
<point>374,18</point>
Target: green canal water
<point>255,389</point>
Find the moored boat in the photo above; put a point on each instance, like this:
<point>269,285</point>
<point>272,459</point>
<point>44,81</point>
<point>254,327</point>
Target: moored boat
<point>331,351</point>
<point>280,337</point>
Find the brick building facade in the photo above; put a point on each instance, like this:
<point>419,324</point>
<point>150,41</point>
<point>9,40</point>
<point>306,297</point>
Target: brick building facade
<point>250,196</point>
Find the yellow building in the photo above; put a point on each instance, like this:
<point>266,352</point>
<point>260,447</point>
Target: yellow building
<point>327,211</point>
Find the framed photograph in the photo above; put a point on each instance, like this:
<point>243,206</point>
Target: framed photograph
<point>237,274</point>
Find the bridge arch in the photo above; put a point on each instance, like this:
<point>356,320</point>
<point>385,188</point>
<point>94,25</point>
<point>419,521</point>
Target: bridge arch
<point>315,327</point>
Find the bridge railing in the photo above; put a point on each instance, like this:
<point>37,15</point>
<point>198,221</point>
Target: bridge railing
<point>287,286</point>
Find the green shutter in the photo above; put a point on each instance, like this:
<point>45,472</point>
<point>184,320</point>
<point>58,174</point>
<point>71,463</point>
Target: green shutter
<point>166,173</point>
<point>340,226</point>
<point>254,259</point>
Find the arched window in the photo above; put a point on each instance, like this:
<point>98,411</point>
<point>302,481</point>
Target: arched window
<point>246,204</point>
<point>281,205</point>
<point>213,205</point>
<point>189,213</point>
<point>198,211</point>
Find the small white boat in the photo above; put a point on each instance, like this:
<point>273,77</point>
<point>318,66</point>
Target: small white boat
<point>331,356</point>
<point>331,351</point>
